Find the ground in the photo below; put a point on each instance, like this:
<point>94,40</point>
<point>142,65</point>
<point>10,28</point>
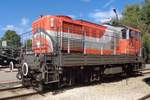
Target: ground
<point>131,88</point>
<point>126,89</point>
<point>7,75</point>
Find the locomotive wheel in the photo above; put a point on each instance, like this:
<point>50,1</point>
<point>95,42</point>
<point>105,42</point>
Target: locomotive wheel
<point>19,76</point>
<point>71,80</point>
<point>67,78</point>
<point>40,87</point>
<point>129,71</point>
<point>25,83</point>
<point>87,77</point>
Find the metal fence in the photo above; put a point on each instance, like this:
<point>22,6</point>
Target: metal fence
<point>68,41</point>
<point>26,42</point>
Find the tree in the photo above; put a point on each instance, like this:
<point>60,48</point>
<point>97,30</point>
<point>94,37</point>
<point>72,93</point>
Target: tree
<point>12,38</point>
<point>146,45</point>
<point>131,16</point>
<point>145,13</point>
<point>145,27</point>
<point>29,43</point>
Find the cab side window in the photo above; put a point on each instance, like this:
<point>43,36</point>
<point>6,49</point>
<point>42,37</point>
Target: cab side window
<point>138,35</point>
<point>124,34</point>
<point>132,34</point>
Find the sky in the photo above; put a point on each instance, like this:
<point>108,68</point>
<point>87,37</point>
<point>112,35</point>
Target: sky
<point>18,15</point>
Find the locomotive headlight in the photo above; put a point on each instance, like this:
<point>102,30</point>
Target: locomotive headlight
<point>38,44</point>
<point>52,22</point>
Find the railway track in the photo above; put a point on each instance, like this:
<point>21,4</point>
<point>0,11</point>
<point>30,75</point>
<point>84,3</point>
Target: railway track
<point>146,97</point>
<point>145,71</point>
<point>16,93</point>
<point>11,88</point>
<point>9,84</point>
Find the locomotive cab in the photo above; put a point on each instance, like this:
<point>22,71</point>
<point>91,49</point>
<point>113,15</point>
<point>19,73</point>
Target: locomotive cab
<point>130,43</point>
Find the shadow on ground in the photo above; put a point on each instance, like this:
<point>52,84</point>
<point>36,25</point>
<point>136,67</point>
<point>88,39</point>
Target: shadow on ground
<point>106,79</point>
<point>147,80</point>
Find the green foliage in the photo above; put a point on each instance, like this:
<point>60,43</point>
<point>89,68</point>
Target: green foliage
<point>146,45</point>
<point>29,43</point>
<point>12,38</point>
<point>114,22</point>
<point>132,15</point>
<point>145,15</point>
<point>147,1</point>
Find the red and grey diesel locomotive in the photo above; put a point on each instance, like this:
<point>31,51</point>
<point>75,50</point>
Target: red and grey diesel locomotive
<point>67,51</point>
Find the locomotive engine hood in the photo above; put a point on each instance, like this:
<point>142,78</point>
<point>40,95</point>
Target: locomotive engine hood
<point>42,43</point>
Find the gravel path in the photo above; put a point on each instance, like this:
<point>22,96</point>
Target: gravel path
<point>131,88</point>
<point>125,89</point>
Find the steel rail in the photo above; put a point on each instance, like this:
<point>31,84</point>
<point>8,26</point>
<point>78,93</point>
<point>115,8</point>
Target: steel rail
<point>12,88</point>
<point>145,97</point>
<point>16,96</point>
